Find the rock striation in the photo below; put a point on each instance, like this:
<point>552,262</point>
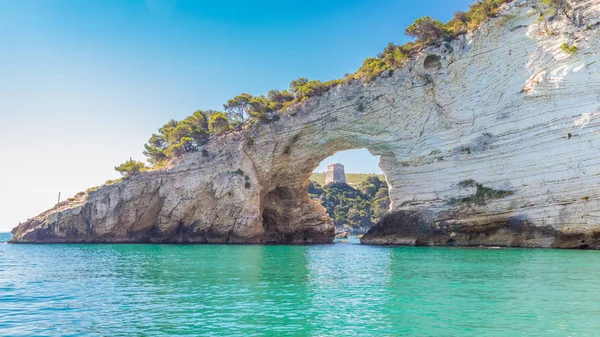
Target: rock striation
<point>491,139</point>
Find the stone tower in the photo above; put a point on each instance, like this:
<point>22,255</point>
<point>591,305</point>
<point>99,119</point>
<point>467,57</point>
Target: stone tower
<point>335,172</point>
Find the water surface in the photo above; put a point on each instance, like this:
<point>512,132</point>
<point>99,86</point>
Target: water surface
<point>331,290</point>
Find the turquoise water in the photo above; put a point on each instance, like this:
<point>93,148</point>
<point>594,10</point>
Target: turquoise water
<point>332,290</point>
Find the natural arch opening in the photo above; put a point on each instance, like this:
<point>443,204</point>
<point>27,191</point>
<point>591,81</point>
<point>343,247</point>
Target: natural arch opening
<point>290,215</point>
<point>352,188</point>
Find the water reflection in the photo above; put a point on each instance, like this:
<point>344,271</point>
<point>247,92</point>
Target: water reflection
<point>333,290</point>
<point>348,276</point>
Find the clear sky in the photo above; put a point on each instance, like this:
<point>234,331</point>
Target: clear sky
<point>83,84</point>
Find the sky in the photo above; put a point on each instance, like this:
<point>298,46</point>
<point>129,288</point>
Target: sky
<point>83,84</point>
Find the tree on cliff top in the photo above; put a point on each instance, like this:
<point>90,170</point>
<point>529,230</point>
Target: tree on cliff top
<point>259,107</point>
<point>303,88</point>
<point>238,107</point>
<point>178,137</point>
<point>280,98</point>
<point>296,86</point>
<point>427,30</point>
<point>130,167</point>
<point>218,122</point>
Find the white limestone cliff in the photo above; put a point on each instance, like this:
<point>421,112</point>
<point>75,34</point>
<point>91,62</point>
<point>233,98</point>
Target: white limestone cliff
<point>491,139</point>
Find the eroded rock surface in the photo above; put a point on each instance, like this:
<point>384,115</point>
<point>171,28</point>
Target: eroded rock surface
<point>489,140</point>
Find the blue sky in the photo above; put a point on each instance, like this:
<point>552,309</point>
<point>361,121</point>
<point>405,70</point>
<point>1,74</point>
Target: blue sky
<point>84,84</point>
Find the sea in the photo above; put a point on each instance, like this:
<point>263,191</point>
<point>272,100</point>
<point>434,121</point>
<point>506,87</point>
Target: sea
<point>342,289</point>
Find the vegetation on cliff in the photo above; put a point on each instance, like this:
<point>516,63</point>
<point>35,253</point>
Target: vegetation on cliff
<point>178,137</point>
<point>558,7</point>
<point>565,47</point>
<point>131,167</point>
<point>353,209</point>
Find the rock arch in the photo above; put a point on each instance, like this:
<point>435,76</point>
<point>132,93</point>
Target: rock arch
<point>288,214</point>
<point>492,141</point>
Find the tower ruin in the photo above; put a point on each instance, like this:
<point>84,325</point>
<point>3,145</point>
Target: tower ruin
<point>335,172</point>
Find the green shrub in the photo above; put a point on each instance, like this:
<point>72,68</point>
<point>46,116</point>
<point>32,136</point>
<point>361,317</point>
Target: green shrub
<point>467,183</point>
<point>480,12</point>
<point>559,7</point>
<point>426,78</point>
<point>130,168</point>
<point>177,137</point>
<point>92,189</point>
<point>114,181</point>
<point>218,122</point>
<point>304,89</point>
<point>280,97</point>
<point>427,30</point>
<point>569,49</point>
<point>259,107</point>
<point>482,194</point>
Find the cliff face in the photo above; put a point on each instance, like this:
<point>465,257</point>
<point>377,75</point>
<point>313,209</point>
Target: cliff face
<point>491,139</point>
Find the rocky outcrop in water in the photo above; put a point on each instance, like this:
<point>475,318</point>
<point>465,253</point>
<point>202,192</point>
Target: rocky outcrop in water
<point>489,140</point>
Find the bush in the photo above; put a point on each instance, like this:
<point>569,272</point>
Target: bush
<point>467,183</point>
<point>259,107</point>
<point>478,13</point>
<point>92,189</point>
<point>427,30</point>
<point>280,99</point>
<point>177,137</point>
<point>569,49</point>
<point>130,168</point>
<point>482,194</point>
<point>296,87</point>
<point>559,7</point>
<point>218,122</point>
<point>114,181</point>
<point>392,57</point>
